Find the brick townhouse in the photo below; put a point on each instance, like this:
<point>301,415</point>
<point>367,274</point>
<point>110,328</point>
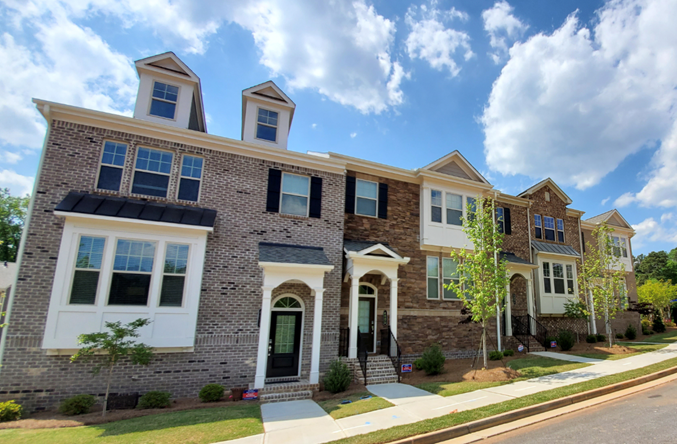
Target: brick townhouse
<point>256,265</point>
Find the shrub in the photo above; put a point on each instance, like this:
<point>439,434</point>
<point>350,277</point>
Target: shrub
<point>669,323</point>
<point>211,393</point>
<point>646,324</point>
<point>508,352</point>
<point>646,331</point>
<point>154,400</point>
<point>566,340</point>
<point>620,335</point>
<point>658,325</point>
<point>591,339</point>
<point>601,337</point>
<point>338,377</point>
<point>495,355</point>
<point>432,360</point>
<point>418,364</point>
<point>77,405</point>
<point>10,411</point>
<point>631,332</point>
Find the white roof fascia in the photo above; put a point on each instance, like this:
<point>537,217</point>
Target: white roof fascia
<point>454,154</point>
<point>544,182</point>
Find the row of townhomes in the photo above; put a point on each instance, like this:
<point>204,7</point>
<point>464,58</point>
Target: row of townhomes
<point>257,265</point>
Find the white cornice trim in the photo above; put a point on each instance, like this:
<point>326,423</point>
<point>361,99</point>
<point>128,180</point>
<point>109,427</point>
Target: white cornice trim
<point>283,265</point>
<point>441,177</point>
<point>374,168</point>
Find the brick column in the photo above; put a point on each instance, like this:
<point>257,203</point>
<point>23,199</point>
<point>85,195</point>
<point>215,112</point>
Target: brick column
<point>317,337</point>
<point>264,338</point>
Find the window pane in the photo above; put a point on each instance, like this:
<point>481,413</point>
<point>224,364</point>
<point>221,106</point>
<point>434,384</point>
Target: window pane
<point>162,109</point>
<point>109,178</point>
<point>454,217</point>
<point>454,201</point>
<point>267,117</point>
<point>449,294</point>
<point>539,235</point>
<point>176,259</point>
<point>560,236</point>
<point>546,269</point>
<point>84,287</point>
<point>549,234</point>
<point>559,286</point>
<point>285,329</point>
<point>365,289</point>
<point>499,214</point>
<point>570,286</point>
<point>295,184</point>
<point>557,270</point>
<point>293,303</point>
<point>433,265</point>
<point>436,198</point>
<point>154,160</point>
<point>546,285</point>
<point>436,215</point>
<point>366,189</point>
<point>266,132</point>
<point>471,203</point>
<point>365,207</point>
<point>570,272</point>
<point>150,184</point>
<point>90,252</point>
<point>433,290</point>
<point>295,205</point>
<point>129,289</point>
<point>171,294</point>
<point>114,153</point>
<point>191,167</point>
<point>549,222</point>
<point>189,189</point>
<point>449,268</point>
<point>537,220</point>
<point>134,256</point>
<point>560,224</point>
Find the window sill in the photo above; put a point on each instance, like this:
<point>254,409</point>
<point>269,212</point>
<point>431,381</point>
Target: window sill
<point>366,215</point>
<point>293,216</point>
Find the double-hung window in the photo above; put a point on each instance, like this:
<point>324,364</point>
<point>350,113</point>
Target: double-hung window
<point>499,220</point>
<point>266,126</point>
<point>538,226</point>
<point>449,273</point>
<point>454,209</point>
<point>112,165</point>
<point>174,275</point>
<point>87,270</point>
<point>570,278</point>
<point>471,208</point>
<point>294,196</point>
<point>547,287</point>
<point>549,224</point>
<point>163,102</point>
<point>152,170</point>
<point>433,273</point>
<point>435,206</point>
<point>561,281</point>
<point>366,198</point>
<point>560,231</point>
<point>191,174</point>
<point>132,270</point>
<point>619,247</point>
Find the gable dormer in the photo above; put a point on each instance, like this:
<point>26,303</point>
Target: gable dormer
<point>169,93</point>
<point>267,113</point>
<point>455,165</point>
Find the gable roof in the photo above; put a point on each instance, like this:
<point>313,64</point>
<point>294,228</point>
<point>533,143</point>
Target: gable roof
<point>454,164</point>
<point>611,217</point>
<point>551,183</point>
<point>268,92</point>
<point>373,248</point>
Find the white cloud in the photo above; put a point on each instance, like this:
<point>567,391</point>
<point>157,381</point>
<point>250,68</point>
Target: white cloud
<point>649,230</point>
<point>353,135</point>
<point>313,126</point>
<point>10,157</point>
<point>573,104</point>
<point>429,39</point>
<point>624,200</point>
<point>18,185</point>
<point>604,201</point>
<point>502,27</point>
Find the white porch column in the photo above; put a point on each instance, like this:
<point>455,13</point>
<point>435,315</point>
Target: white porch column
<point>530,302</point>
<point>317,337</point>
<point>508,311</point>
<point>593,322</point>
<point>352,319</point>
<point>264,337</point>
<point>393,314</point>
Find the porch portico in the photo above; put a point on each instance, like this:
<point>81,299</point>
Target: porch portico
<point>518,268</point>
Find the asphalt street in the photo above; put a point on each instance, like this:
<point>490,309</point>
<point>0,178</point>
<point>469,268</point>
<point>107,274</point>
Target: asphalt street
<point>646,417</point>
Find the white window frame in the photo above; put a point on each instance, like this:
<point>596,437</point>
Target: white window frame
<point>75,268</point>
<point>277,127</point>
<point>620,244</point>
<point>98,171</point>
<point>500,220</point>
<point>153,272</point>
<point>428,277</point>
<point>446,209</point>
<point>553,229</point>
<point>539,225</point>
<point>564,264</point>
<point>448,278</point>
<point>163,274</point>
<point>307,196</point>
<point>558,231</point>
<point>136,157</point>
<point>181,176</point>
<point>366,198</point>
<point>176,104</point>
<point>440,206</point>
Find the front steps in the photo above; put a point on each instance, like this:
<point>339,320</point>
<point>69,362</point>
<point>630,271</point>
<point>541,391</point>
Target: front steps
<point>510,342</point>
<point>380,370</point>
<point>287,391</point>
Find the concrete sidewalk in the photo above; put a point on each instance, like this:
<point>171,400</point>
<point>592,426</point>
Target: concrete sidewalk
<point>306,422</point>
<point>565,357</point>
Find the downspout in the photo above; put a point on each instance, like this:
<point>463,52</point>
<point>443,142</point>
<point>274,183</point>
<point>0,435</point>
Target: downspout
<point>498,307</point>
<point>24,235</point>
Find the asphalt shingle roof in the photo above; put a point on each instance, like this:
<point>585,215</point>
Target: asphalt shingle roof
<point>599,217</point>
<point>554,248</point>
<point>122,207</point>
<point>292,254</point>
<point>511,257</point>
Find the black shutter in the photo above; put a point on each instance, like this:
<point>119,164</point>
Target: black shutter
<point>350,195</point>
<point>315,197</point>
<point>506,221</point>
<point>583,240</point>
<point>383,201</point>
<point>274,184</point>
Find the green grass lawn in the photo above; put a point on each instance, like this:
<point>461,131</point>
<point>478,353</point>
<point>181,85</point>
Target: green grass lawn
<point>337,410</point>
<point>188,426</point>
<point>529,367</point>
<point>429,425</point>
<point>643,348</point>
<point>668,337</point>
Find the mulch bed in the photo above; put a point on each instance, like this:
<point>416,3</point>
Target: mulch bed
<point>457,370</point>
<point>352,389</point>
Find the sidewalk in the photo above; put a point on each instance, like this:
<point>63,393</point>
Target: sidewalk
<point>305,421</point>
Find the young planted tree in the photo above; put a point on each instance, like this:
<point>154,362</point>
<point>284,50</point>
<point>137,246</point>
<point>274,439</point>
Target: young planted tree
<point>114,346</point>
<point>659,294</point>
<point>602,275</point>
<point>481,277</point>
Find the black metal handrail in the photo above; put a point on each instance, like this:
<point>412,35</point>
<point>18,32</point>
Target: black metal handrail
<point>538,331</point>
<point>362,354</point>
<point>520,330</point>
<point>397,358</point>
<point>344,341</point>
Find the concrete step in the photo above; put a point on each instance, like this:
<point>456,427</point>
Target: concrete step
<point>288,396</point>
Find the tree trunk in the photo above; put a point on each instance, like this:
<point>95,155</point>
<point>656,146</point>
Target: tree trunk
<point>607,325</point>
<point>484,345</point>
<point>105,400</point>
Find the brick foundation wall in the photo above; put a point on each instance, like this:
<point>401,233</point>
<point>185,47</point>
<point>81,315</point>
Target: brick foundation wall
<point>227,332</point>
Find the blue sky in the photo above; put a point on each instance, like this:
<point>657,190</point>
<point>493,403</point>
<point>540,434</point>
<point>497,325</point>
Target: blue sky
<point>580,91</point>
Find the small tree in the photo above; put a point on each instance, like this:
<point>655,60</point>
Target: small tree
<point>659,294</point>
<point>114,346</point>
<point>602,275</point>
<point>576,309</point>
<point>482,279</point>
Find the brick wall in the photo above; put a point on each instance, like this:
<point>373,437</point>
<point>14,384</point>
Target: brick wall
<point>227,331</point>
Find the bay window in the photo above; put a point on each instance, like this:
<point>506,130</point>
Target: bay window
<point>132,268</point>
<point>620,246</point>
<point>87,270</point>
<point>558,278</point>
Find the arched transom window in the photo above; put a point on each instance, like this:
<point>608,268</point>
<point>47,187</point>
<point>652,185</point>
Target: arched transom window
<point>287,302</point>
<point>366,289</point>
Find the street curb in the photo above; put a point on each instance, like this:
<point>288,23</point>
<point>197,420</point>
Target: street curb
<point>504,418</point>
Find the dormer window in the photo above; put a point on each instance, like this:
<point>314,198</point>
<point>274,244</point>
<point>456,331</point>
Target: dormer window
<point>266,127</point>
<point>163,102</point>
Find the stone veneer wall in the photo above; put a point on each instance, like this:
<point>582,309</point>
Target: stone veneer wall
<point>227,332</point>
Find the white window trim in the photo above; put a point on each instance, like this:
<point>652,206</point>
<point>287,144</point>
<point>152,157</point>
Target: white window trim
<point>375,216</point>
<point>66,321</point>
<point>294,194</point>
<point>181,176</point>
<point>539,226</point>
<point>428,277</point>
<point>136,156</point>
<point>98,171</point>
<point>557,231</point>
<point>441,207</point>
<point>564,264</point>
<point>153,274</point>
<point>554,222</point>
<point>74,268</point>
<point>176,104</point>
<point>464,199</point>
<point>453,279</point>
<point>277,127</point>
<point>163,274</point>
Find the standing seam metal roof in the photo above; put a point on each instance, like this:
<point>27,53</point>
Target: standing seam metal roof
<point>554,248</point>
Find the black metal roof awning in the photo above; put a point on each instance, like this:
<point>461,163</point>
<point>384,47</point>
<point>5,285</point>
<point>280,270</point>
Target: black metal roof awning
<point>545,247</point>
<point>125,208</point>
